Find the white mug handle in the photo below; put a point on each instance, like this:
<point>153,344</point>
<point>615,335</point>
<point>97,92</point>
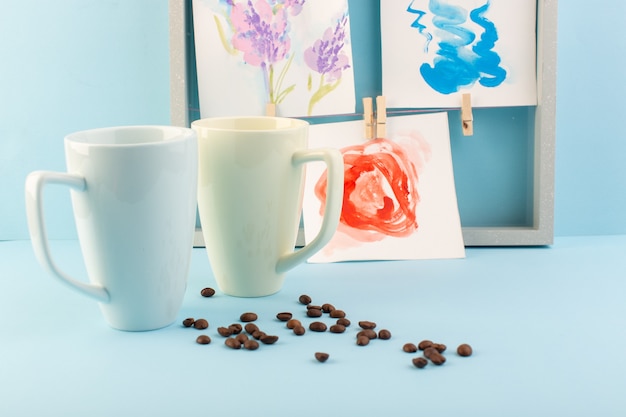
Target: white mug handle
<point>332,209</point>
<point>35,182</point>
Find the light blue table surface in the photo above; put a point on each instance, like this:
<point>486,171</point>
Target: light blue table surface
<point>548,328</point>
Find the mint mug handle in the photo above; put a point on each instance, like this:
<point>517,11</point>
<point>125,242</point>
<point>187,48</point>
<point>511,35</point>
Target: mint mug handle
<point>35,183</point>
<point>332,210</point>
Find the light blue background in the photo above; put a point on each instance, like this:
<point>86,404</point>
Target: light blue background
<point>76,64</point>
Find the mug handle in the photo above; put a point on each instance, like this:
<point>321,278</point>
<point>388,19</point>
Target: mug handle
<point>35,182</point>
<point>332,209</point>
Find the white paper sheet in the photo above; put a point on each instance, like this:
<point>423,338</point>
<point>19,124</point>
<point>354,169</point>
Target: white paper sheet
<point>293,53</point>
<point>384,217</point>
<point>433,50</point>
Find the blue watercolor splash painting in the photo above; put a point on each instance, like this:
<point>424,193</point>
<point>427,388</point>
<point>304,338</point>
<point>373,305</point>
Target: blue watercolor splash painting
<point>445,47</point>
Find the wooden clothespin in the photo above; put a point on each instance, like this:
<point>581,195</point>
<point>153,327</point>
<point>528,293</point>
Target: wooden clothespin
<point>270,109</point>
<point>467,118</point>
<point>368,118</point>
<point>381,117</point>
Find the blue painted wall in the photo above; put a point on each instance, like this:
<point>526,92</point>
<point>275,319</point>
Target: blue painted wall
<point>76,64</point>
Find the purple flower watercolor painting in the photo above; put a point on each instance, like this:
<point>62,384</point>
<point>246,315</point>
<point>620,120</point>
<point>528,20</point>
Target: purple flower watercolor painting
<point>483,47</point>
<point>294,54</point>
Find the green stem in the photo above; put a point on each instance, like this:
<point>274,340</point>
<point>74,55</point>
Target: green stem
<point>321,92</point>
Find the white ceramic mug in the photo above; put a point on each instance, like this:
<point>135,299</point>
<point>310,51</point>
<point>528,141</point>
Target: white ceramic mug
<point>250,190</point>
<point>133,193</point>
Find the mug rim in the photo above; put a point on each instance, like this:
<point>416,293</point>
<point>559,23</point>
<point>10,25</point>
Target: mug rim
<point>227,123</point>
<point>89,137</point>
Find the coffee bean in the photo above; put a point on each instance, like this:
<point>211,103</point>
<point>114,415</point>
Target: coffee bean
<point>409,348</point>
<point>419,362</point>
<point>337,328</point>
<point>269,340</point>
<point>424,344</point>
<point>285,316</point>
<point>327,308</point>
<point>321,356</point>
<point>344,322</point>
<point>337,314</point>
<point>313,307</point>
<point>203,339</point>
<point>304,299</point>
<point>248,317</point>
<point>235,328</point>
<point>440,347</point>
<point>207,292</point>
<point>224,331</point>
<point>434,356</point>
<point>201,324</point>
<point>293,323</point>
<point>251,344</point>
<point>369,333</point>
<point>188,322</point>
<point>299,330</point>
<point>232,343</point>
<point>429,351</point>
<point>258,334</point>
<point>317,326</point>
<point>384,334</point>
<point>464,350</point>
<point>437,358</point>
<point>367,324</point>
<point>314,312</point>
<point>241,337</point>
<point>362,340</point>
<point>251,328</point>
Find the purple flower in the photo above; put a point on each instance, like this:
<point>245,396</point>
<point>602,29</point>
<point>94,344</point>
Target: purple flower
<point>261,32</point>
<point>326,56</point>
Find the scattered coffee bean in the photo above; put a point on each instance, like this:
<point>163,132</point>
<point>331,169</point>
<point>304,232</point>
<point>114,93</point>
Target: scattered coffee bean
<point>201,324</point>
<point>337,314</point>
<point>437,358</point>
<point>424,344</point>
<point>367,324</point>
<point>317,326</point>
<point>225,331</point>
<point>258,334</point>
<point>285,316</point>
<point>314,313</point>
<point>304,299</point>
<point>188,322</point>
<point>440,347</point>
<point>321,356</point>
<point>235,328</point>
<point>464,350</point>
<point>327,308</point>
<point>269,340</point>
<point>251,344</point>
<point>293,323</point>
<point>248,317</point>
<point>207,292</point>
<point>232,343</point>
<point>384,334</point>
<point>419,362</point>
<point>251,328</point>
<point>344,322</point>
<point>299,330</point>
<point>337,328</point>
<point>409,348</point>
<point>369,333</point>
<point>203,339</point>
<point>362,340</point>
<point>429,351</point>
<point>313,307</point>
<point>241,337</point>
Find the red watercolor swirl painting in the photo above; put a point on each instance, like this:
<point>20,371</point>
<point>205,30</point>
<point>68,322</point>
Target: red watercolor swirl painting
<point>380,191</point>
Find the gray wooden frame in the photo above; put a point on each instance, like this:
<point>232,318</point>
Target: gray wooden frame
<point>542,230</point>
